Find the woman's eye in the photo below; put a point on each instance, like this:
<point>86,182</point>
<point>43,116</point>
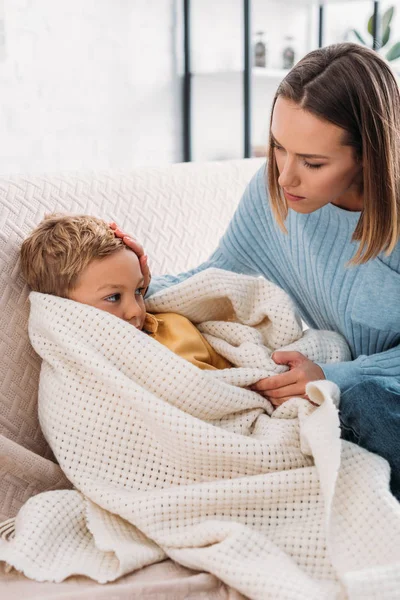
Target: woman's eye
<point>140,291</point>
<point>310,166</point>
<point>113,298</point>
<point>305,163</point>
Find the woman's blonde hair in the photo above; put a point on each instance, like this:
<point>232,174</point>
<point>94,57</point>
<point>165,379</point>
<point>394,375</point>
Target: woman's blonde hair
<point>353,87</point>
<point>60,248</point>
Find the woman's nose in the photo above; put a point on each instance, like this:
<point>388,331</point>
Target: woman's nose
<point>288,176</point>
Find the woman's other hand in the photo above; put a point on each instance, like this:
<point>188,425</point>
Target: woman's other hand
<point>280,388</point>
<point>138,250</point>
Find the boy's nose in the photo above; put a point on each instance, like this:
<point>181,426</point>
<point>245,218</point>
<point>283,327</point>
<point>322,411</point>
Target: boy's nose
<point>132,310</point>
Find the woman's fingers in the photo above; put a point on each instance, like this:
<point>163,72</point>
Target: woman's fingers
<point>145,271</point>
<point>117,231</point>
<point>279,401</point>
<point>275,382</point>
<point>133,244</point>
<point>286,392</point>
<point>275,401</point>
<point>137,248</point>
<point>128,240</point>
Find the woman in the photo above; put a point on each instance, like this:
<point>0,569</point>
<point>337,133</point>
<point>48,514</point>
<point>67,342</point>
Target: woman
<point>328,233</point>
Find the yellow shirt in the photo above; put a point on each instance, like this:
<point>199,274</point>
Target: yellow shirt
<point>182,337</point>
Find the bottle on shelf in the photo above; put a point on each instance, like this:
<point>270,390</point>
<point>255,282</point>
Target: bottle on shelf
<point>288,54</point>
<point>260,50</point>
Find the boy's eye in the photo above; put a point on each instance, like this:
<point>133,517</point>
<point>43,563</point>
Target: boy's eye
<point>113,298</point>
<point>140,291</point>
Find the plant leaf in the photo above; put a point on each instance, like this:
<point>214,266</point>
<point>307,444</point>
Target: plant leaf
<point>370,25</point>
<point>387,17</point>
<point>358,36</point>
<point>394,52</point>
<point>385,36</point>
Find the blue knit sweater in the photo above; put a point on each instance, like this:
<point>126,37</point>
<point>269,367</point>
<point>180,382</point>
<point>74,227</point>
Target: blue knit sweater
<point>309,262</point>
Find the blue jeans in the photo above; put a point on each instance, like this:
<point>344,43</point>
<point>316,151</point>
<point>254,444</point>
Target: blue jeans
<point>369,414</point>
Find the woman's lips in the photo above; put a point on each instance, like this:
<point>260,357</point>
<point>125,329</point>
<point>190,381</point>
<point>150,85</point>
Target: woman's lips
<point>293,198</point>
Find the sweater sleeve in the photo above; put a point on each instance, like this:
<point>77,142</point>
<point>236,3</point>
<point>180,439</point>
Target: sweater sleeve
<point>235,250</point>
<point>346,374</point>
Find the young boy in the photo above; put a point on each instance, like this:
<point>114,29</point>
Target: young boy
<point>79,257</point>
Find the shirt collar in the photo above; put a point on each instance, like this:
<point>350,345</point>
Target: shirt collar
<point>150,323</point>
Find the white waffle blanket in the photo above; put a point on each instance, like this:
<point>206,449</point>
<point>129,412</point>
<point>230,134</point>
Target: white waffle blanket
<point>169,460</point>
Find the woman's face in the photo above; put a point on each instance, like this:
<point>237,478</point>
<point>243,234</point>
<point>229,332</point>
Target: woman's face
<point>314,167</point>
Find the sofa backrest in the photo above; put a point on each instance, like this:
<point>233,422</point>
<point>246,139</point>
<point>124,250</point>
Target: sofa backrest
<point>179,213</point>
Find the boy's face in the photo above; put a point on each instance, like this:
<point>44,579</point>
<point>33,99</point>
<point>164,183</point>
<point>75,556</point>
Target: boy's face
<point>114,284</point>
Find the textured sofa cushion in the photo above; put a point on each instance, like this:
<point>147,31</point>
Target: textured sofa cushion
<point>178,212</point>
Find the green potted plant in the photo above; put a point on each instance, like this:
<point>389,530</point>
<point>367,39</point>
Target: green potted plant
<point>394,52</point>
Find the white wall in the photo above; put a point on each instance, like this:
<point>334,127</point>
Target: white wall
<point>96,83</point>
<point>88,84</point>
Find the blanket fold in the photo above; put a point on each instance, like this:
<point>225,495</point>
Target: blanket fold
<point>171,461</point>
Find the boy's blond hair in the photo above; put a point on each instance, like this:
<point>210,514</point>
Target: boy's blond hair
<point>57,251</point>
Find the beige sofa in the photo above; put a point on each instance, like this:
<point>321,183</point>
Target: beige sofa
<point>179,213</point>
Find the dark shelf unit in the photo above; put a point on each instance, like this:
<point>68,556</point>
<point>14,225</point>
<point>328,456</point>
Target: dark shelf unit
<point>247,53</point>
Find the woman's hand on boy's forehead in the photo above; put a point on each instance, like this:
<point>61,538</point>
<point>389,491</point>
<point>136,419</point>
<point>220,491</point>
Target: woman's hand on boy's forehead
<point>131,243</point>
